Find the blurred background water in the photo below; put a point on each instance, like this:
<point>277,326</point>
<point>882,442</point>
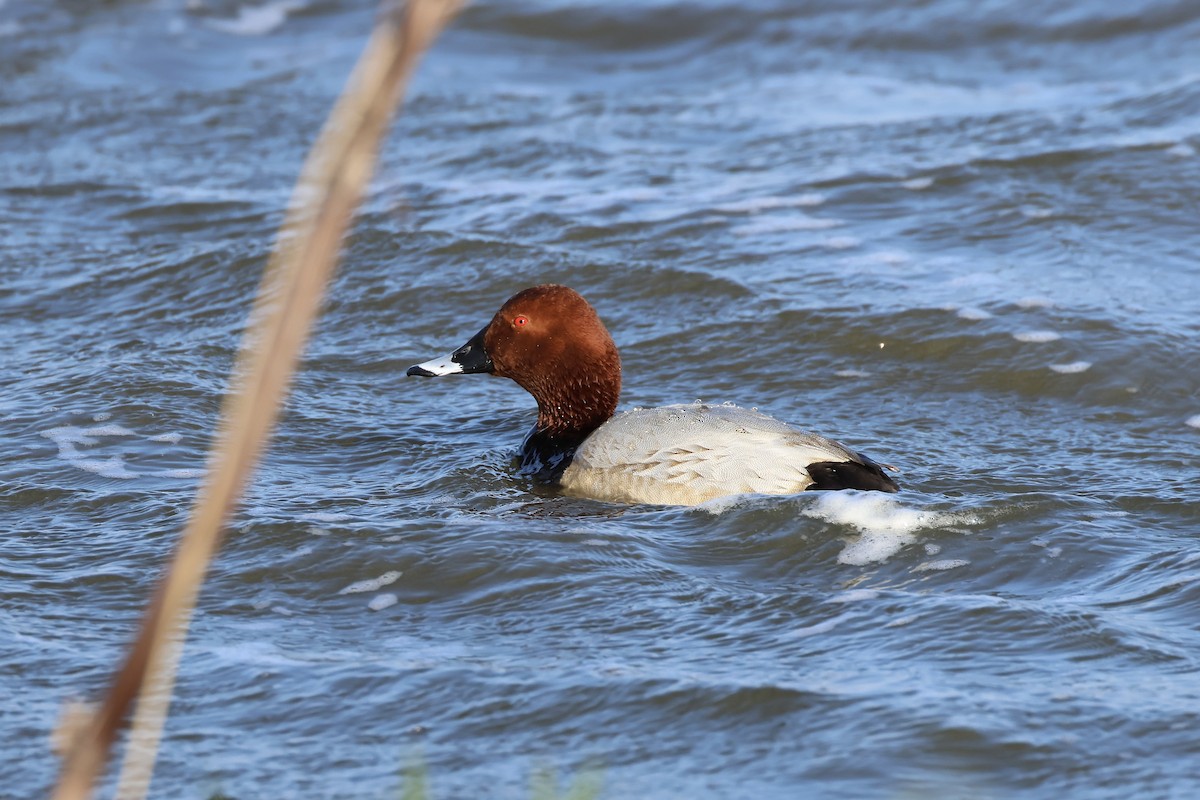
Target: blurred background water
<point>960,236</point>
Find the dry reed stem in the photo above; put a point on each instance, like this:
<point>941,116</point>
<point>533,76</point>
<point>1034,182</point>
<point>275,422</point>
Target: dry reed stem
<point>329,190</point>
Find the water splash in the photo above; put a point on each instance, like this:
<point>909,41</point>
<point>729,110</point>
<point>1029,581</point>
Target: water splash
<point>885,525</point>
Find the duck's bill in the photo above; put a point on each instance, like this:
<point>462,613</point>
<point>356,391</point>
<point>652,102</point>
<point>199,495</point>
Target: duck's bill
<point>468,359</point>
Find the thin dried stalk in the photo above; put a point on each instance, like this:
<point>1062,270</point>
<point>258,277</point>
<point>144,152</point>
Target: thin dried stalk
<point>329,190</point>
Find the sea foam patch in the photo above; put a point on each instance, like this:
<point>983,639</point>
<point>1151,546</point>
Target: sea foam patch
<point>381,601</point>
<point>885,526</point>
<point>1194,421</point>
<point>254,20</point>
<point>82,448</point>
<point>795,222</point>
<point>69,438</point>
<point>1072,368</point>
<point>891,258</point>
<point>941,565</point>
<point>326,516</point>
<point>855,596</point>
<point>1037,336</point>
<point>373,584</point>
<point>753,205</point>
<point>974,314</point>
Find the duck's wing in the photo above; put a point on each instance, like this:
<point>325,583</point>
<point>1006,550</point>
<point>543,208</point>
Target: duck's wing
<point>687,454</point>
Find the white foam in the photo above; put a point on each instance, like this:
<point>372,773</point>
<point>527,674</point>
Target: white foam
<point>1034,302</point>
<point>1194,421</point>
<point>1181,150</point>
<point>1033,212</point>
<point>884,524</point>
<point>852,373</point>
<point>257,650</point>
<point>973,314</point>
<point>1037,336</point>
<point>1072,368</point>
<point>798,222</point>
<point>976,280</point>
<point>941,565</point>
<point>113,467</point>
<point>69,438</point>
<point>753,205</point>
<point>842,242</point>
<point>107,430</point>
<point>181,473</point>
<point>373,584</point>
<point>854,596</point>
<point>325,516</point>
<point>253,20</point>
<point>73,435</point>
<point>66,437</point>
<point>917,184</point>
<point>381,601</point>
<point>719,505</point>
<point>892,258</point>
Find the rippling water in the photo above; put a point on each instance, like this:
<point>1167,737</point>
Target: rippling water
<point>959,236</point>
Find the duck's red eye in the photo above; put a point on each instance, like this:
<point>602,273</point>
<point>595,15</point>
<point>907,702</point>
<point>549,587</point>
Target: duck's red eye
<point>520,320</point>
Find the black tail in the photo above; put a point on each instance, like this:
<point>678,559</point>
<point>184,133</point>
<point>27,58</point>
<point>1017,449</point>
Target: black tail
<point>850,475</point>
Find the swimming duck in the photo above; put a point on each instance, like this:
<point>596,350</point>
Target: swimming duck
<point>550,341</point>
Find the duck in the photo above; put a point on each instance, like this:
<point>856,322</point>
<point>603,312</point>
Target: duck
<point>552,343</point>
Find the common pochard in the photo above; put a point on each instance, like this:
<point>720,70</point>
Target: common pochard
<point>552,343</point>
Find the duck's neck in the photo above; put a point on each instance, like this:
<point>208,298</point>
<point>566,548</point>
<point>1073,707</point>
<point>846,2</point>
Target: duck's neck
<point>569,411</point>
